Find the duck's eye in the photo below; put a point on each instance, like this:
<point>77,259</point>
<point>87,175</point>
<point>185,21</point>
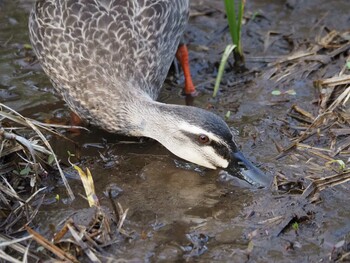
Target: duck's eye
<point>203,139</point>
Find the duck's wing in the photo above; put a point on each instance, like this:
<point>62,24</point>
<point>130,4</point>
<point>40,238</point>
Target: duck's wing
<point>80,42</point>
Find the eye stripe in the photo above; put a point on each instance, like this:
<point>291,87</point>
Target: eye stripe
<point>195,130</point>
<point>221,149</point>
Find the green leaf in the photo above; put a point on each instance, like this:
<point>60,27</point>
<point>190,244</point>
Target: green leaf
<point>57,197</point>
<point>255,14</point>
<point>27,46</point>
<point>234,18</point>
<point>276,93</point>
<point>51,159</point>
<point>25,171</point>
<point>295,226</point>
<point>40,249</point>
<point>341,164</point>
<point>348,64</point>
<point>250,247</point>
<point>227,52</point>
<point>291,92</point>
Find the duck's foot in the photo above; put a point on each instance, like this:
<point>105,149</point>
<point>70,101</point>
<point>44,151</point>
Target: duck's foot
<point>75,120</point>
<point>189,98</point>
<point>192,94</point>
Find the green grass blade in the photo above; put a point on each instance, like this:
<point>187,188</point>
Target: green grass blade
<point>239,26</point>
<point>228,51</point>
<point>234,11</point>
<point>231,18</point>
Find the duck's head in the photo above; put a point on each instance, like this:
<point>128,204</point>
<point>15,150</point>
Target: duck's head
<point>203,138</point>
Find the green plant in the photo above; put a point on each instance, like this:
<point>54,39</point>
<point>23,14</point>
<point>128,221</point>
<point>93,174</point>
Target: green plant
<point>295,226</point>
<point>224,58</point>
<point>234,18</point>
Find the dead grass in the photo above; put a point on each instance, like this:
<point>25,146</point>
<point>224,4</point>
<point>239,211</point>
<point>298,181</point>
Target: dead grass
<point>26,156</point>
<point>34,151</point>
<point>323,139</point>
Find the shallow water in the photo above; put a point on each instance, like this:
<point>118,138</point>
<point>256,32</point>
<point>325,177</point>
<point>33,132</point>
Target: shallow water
<point>168,198</point>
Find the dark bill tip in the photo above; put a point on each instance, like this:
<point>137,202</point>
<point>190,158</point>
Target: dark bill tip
<point>243,168</point>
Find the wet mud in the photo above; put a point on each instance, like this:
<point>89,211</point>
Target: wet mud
<point>178,211</point>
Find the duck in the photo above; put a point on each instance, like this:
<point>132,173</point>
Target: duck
<point>109,59</point>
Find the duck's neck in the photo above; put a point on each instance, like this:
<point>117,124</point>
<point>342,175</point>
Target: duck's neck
<point>166,123</point>
<point>152,119</point>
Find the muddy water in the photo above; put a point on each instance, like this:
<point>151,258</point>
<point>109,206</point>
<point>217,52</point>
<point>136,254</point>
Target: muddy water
<point>178,211</point>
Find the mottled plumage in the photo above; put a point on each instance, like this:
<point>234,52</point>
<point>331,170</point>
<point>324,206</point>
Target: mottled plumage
<point>109,59</point>
<point>95,51</point>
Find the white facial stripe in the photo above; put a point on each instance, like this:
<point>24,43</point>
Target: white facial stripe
<point>192,156</point>
<point>212,160</point>
<point>221,162</point>
<point>210,152</point>
<point>197,130</point>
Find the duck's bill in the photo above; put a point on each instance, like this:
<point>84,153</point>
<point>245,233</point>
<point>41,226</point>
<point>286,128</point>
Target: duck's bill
<point>243,168</point>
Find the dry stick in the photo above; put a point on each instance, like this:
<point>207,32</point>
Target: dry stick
<point>323,183</point>
<point>311,55</point>
<point>114,207</point>
<point>316,152</point>
<point>339,50</point>
<point>320,184</point>
<point>22,210</point>
<point>83,245</point>
<point>9,190</point>
<point>8,151</point>
<point>340,131</point>
<point>17,246</point>
<point>344,257</point>
<point>24,204</point>
<point>303,112</point>
<point>342,145</point>
<point>51,247</point>
<point>122,217</point>
<point>334,81</point>
<point>106,224</point>
<point>294,56</point>
<point>5,202</point>
<point>35,212</point>
<point>14,241</point>
<point>44,126</point>
<point>22,141</point>
<point>314,123</point>
<point>26,253</point>
<point>303,137</point>
<point>66,184</point>
<point>299,118</point>
<point>306,134</point>
<point>341,97</point>
<point>58,236</point>
<point>8,258</point>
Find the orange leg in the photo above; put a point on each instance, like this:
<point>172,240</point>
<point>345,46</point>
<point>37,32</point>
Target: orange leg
<point>75,121</point>
<point>182,56</point>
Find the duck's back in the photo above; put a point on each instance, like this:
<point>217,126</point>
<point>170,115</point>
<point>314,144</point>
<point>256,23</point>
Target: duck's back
<point>94,48</point>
